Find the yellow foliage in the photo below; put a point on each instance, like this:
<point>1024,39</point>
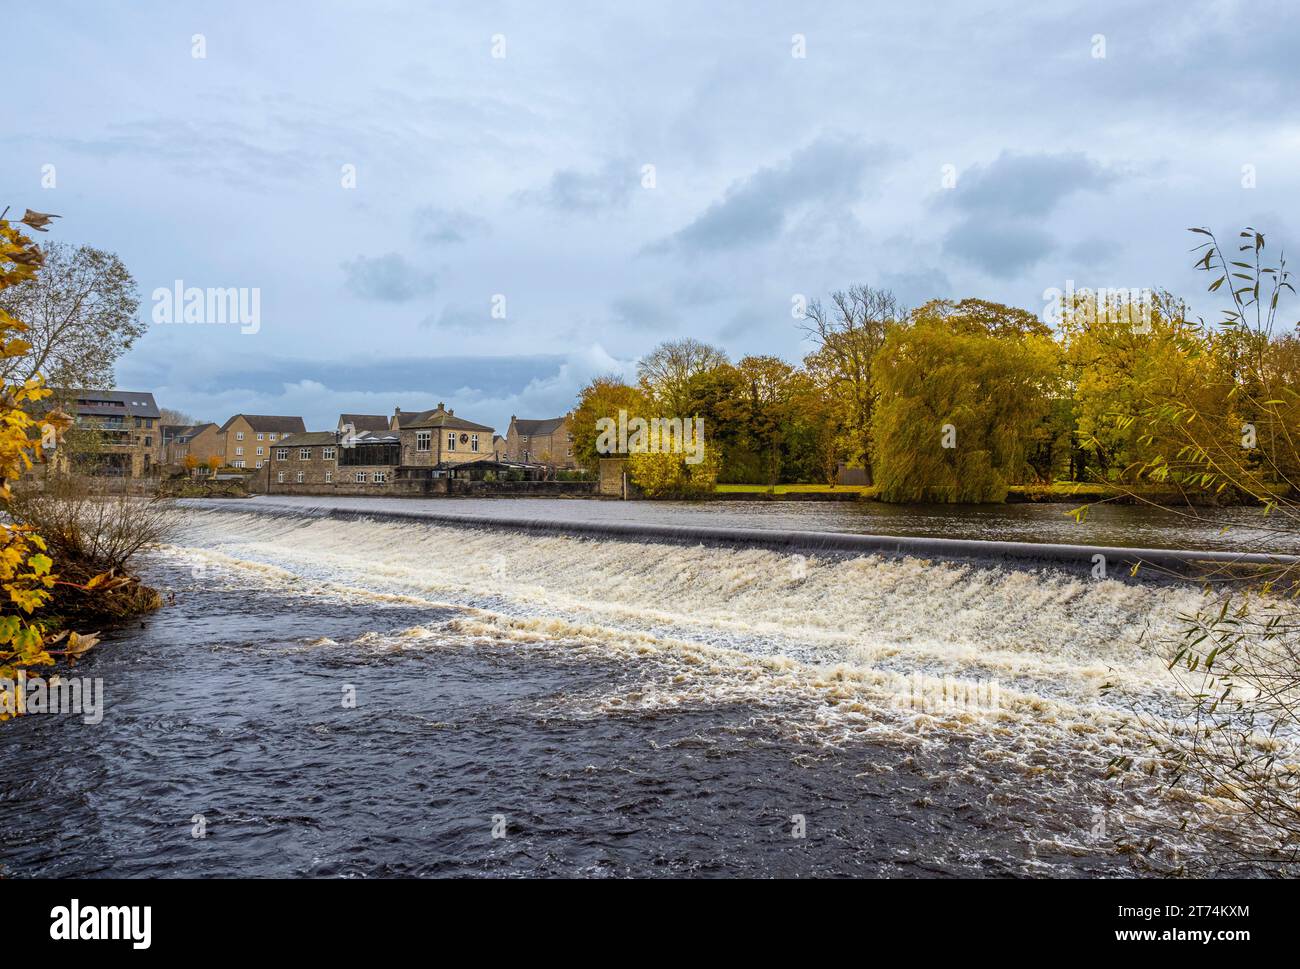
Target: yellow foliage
<point>25,576</point>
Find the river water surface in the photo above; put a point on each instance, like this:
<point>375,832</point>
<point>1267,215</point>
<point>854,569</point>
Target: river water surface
<point>331,697</point>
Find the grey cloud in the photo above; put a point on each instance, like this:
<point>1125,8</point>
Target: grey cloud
<point>1000,247</point>
<point>643,312</point>
<point>1003,204</point>
<point>578,190</point>
<point>1027,184</point>
<point>437,226</point>
<point>389,278</point>
<point>755,209</point>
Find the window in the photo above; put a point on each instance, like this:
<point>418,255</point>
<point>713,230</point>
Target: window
<point>261,451</point>
<point>473,442</point>
<point>380,477</point>
<point>239,435</point>
<point>304,454</point>
<point>423,440</point>
<point>148,441</point>
<point>451,440</point>
<point>260,463</point>
<point>329,477</point>
<point>238,464</point>
<point>282,454</point>
<point>327,454</point>
<point>261,436</point>
<point>239,450</point>
<point>361,477</point>
<point>271,436</point>
<point>279,476</point>
<point>299,477</point>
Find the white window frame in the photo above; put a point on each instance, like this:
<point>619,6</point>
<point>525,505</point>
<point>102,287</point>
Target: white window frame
<point>304,454</point>
<point>424,440</point>
<point>473,442</point>
<point>327,454</point>
<point>380,477</point>
<point>299,478</point>
<point>451,440</point>
<point>361,477</point>
<point>279,477</point>
<point>282,454</point>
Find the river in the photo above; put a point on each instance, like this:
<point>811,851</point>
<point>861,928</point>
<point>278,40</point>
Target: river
<point>371,698</point>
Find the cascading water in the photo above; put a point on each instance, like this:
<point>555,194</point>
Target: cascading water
<point>554,704</point>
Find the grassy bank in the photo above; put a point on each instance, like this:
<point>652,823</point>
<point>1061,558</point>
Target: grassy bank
<point>1060,491</point>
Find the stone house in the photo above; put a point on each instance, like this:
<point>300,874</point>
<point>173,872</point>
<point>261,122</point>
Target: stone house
<point>547,441</point>
<point>437,439</point>
<point>248,439</point>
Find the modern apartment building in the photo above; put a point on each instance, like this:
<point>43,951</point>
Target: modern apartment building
<point>114,432</point>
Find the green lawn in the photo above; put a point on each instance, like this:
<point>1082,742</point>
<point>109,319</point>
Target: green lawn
<point>791,489</point>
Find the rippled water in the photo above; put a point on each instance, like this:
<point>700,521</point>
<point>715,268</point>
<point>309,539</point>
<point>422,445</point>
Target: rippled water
<point>1132,526</point>
<point>612,708</point>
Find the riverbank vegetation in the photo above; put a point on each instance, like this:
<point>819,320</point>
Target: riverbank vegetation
<point>62,558</point>
<point>1223,413</point>
<point>964,401</point>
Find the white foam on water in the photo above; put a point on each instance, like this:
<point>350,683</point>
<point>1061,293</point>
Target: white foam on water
<point>834,650</point>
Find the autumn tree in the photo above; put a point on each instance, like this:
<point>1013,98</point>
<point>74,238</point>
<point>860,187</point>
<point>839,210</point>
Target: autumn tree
<point>848,333</point>
<point>1238,658</point>
<point>603,398</point>
<point>665,374</point>
<point>81,315</point>
<point>961,386</point>
<point>26,579</point>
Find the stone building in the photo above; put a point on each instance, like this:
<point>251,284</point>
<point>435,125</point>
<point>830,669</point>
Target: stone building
<point>114,432</point>
<point>547,441</point>
<point>437,439</point>
<point>248,439</point>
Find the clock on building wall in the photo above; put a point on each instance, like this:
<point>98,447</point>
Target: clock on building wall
<point>464,438</point>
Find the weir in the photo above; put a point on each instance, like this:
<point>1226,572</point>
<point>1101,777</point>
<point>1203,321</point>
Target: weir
<point>1118,561</point>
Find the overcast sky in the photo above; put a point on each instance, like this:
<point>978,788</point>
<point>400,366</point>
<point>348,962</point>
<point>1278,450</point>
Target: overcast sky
<point>524,176</point>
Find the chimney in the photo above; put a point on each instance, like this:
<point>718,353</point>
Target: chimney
<point>440,405</point>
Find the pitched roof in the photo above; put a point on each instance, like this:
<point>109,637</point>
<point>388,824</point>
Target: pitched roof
<point>110,403</point>
<point>190,433</point>
<point>442,418</point>
<point>263,422</point>
<point>365,422</point>
<point>545,426</point>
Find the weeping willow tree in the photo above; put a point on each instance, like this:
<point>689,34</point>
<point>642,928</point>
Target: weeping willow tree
<point>962,389</point>
<point>1238,658</point>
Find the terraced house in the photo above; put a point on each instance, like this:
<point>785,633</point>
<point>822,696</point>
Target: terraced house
<point>411,452</point>
<point>248,439</point>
